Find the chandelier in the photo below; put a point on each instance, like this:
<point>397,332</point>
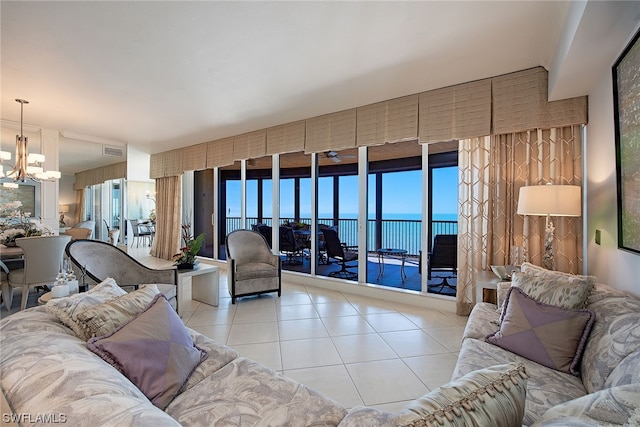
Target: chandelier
<point>27,166</point>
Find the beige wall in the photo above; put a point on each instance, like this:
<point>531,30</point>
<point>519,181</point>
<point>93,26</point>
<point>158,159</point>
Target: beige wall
<point>609,264</point>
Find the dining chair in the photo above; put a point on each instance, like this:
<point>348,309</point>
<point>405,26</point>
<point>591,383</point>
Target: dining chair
<point>42,261</point>
<point>140,232</point>
<point>78,233</point>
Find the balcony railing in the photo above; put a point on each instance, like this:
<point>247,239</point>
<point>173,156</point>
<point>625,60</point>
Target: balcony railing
<point>396,233</point>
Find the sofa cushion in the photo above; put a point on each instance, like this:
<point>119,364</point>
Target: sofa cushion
<point>244,392</point>
<point>46,369</point>
<point>255,270</point>
<point>616,406</point>
<point>67,309</point>
<point>545,388</point>
<point>615,336</point>
<point>154,350</point>
<point>555,289</point>
<point>492,396</point>
<point>103,319</point>
<point>549,335</point>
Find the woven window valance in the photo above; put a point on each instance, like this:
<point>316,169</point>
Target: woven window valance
<point>287,138</point>
<point>520,103</point>
<point>456,112</point>
<point>513,102</point>
<point>99,175</point>
<point>220,152</point>
<point>335,131</point>
<point>389,121</point>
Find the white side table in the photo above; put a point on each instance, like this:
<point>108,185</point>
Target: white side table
<point>485,280</point>
<point>205,285</point>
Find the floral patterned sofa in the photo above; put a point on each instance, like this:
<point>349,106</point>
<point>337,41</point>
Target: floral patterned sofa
<point>106,358</point>
<point>606,389</point>
<point>80,360</point>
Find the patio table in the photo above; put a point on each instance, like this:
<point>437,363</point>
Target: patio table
<point>392,254</point>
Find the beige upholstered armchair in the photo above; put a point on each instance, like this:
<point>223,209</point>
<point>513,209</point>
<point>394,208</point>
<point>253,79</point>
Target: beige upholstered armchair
<point>101,260</point>
<point>253,269</point>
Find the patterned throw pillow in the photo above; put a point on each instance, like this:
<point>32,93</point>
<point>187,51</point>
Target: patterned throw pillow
<point>493,396</point>
<point>561,290</point>
<point>105,318</point>
<point>154,350</point>
<point>68,308</point>
<point>546,334</point>
<point>585,283</point>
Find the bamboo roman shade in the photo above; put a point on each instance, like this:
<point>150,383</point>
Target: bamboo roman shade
<point>520,103</point>
<point>334,131</point>
<point>287,138</point>
<point>251,145</point>
<point>99,175</point>
<point>456,112</point>
<point>194,157</point>
<point>509,103</point>
<point>168,163</point>
<point>220,153</point>
<point>389,121</point>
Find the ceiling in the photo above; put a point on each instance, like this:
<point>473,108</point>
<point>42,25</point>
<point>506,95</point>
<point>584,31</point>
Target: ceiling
<point>161,75</point>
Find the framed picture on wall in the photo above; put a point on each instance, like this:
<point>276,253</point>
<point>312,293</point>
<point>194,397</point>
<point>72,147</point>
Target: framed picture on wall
<point>626,103</point>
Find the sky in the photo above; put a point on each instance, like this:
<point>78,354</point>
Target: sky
<point>401,195</point>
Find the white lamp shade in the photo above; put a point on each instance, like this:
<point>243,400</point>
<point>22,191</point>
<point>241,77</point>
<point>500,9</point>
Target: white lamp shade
<point>63,208</point>
<point>553,200</point>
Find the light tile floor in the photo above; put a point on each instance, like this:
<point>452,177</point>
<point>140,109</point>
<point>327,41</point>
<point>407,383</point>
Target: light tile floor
<point>354,349</point>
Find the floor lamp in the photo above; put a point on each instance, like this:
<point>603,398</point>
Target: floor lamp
<point>549,200</point>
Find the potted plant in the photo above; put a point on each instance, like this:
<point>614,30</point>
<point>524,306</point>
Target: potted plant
<point>186,258</point>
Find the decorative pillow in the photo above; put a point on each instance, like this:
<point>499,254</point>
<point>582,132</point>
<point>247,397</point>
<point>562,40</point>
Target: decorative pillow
<point>154,350</point>
<point>586,283</point>
<point>68,308</point>
<point>105,318</point>
<point>493,396</point>
<point>549,335</point>
<point>560,290</point>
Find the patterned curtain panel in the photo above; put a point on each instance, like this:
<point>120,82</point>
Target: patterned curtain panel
<point>80,206</point>
<point>492,171</point>
<point>166,242</point>
<point>538,157</point>
<point>475,200</point>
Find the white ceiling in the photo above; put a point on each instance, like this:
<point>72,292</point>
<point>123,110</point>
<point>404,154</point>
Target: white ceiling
<point>167,74</point>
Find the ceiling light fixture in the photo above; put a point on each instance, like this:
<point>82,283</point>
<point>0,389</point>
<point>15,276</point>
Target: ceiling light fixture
<point>27,166</point>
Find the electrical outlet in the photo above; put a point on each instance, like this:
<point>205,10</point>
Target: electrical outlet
<point>597,237</point>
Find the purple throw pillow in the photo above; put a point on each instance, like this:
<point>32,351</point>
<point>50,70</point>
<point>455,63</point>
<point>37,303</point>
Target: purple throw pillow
<point>551,336</point>
<point>154,350</point>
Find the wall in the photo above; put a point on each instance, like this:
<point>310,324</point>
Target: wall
<point>609,264</point>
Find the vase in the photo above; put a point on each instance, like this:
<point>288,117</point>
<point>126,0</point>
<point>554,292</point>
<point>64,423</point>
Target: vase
<point>12,244</point>
<point>185,266</point>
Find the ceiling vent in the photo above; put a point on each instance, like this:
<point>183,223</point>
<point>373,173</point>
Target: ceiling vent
<point>112,151</point>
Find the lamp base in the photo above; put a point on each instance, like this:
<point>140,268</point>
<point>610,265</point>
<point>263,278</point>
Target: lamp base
<point>549,235</point>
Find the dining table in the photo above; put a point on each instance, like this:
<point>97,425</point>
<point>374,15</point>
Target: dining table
<point>9,252</point>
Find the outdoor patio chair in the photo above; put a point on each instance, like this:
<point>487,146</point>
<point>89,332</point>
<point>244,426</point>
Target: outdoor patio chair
<point>340,252</point>
<point>289,245</point>
<point>444,254</point>
<point>265,230</point>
